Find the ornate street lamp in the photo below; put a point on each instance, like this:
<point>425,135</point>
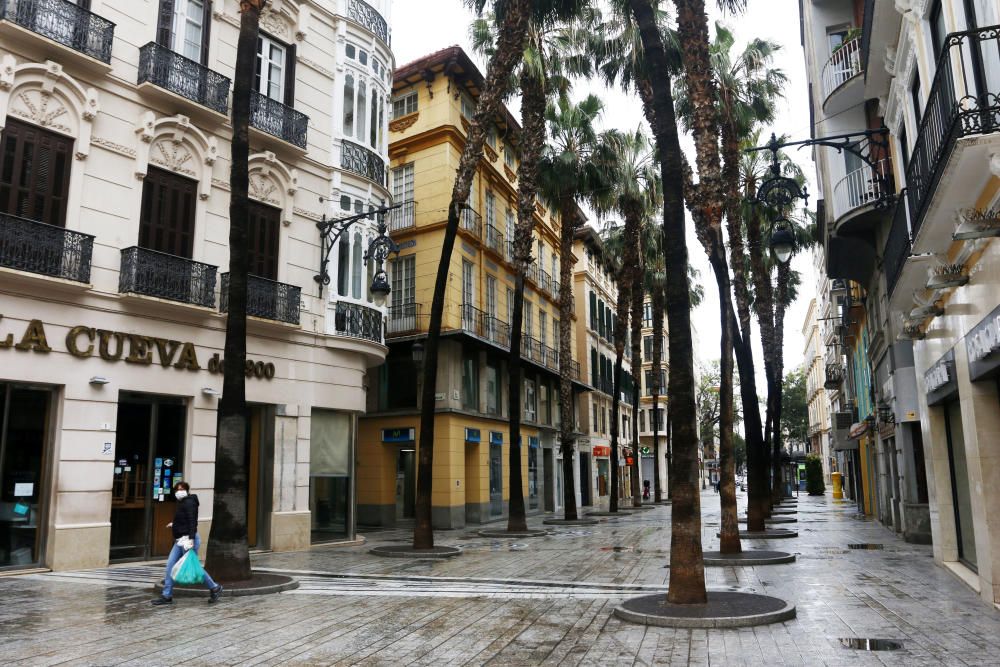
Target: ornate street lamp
<point>378,250</point>
<point>782,240</point>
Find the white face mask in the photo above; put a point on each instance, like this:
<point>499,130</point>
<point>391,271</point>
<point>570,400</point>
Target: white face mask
<point>180,494</point>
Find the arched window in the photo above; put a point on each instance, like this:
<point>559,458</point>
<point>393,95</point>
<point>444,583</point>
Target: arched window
<point>343,265</point>
<point>349,105</point>
<point>356,268</point>
<point>362,107</point>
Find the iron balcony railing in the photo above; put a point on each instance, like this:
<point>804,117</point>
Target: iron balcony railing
<point>964,100</point>
<point>64,22</point>
<point>362,162</point>
<point>844,64</point>
<point>509,251</point>
<point>483,325</point>
<point>494,239</point>
<point>555,288</point>
<point>365,15</point>
<point>403,319</point>
<point>152,273</point>
<point>897,245</point>
<point>471,222</point>
<point>862,187</point>
<point>36,247</point>
<point>356,321</point>
<point>834,376</point>
<point>531,349</point>
<point>550,357</point>
<point>279,120</point>
<point>544,280</point>
<point>185,77</point>
<point>404,217</point>
<point>266,299</point>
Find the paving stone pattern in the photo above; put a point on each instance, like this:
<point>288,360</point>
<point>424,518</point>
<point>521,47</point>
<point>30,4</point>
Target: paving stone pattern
<point>543,601</point>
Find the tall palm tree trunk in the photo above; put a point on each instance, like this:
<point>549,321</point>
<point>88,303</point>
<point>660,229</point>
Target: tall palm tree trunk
<point>509,47</point>
<point>781,303</point>
<point>228,555</point>
<point>533,138</point>
<point>638,295</point>
<point>621,313</point>
<point>687,568</point>
<point>657,300</point>
<point>567,214</point>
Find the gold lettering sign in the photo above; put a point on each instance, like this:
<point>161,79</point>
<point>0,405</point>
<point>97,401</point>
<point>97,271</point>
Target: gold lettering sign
<point>82,342</point>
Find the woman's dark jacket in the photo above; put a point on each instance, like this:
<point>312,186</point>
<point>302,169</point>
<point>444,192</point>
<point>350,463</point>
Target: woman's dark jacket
<point>186,517</point>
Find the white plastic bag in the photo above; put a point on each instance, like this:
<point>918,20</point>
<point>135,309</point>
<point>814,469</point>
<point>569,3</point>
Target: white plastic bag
<point>185,543</point>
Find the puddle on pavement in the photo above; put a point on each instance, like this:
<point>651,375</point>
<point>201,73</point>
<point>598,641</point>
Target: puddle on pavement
<point>619,549</point>
<point>862,644</point>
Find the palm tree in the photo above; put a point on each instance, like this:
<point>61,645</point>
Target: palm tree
<point>568,171</point>
<point>546,62</point>
<point>687,568</point>
<point>513,17</point>
<point>228,555</point>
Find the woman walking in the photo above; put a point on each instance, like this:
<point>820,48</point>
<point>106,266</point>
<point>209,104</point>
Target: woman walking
<point>184,525</point>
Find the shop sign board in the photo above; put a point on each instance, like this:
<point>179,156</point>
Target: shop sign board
<point>602,450</point>
<point>983,345</point>
<point>472,435</point>
<point>496,438</point>
<point>939,380</point>
<point>399,434</point>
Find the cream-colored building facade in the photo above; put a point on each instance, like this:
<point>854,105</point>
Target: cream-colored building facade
<point>814,367</point>
<point>114,207</point>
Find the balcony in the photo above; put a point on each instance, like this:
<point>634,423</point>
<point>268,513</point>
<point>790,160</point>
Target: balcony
<point>368,17</point>
<point>356,321</point>
<point>834,376</point>
<point>544,281</point>
<point>183,77</point>
<point>494,240</point>
<point>403,319</point>
<point>861,188</point>
<point>554,288</point>
<point>843,67</point>
<point>151,273</point>
<point>471,222</point>
<point>897,247</point>
<point>404,217</point>
<point>63,22</point>
<point>485,326</point>
<point>509,251</point>
<point>46,250</point>
<point>266,299</point>
<point>361,161</point>
<point>550,357</point>
<point>278,120</point>
<point>964,101</point>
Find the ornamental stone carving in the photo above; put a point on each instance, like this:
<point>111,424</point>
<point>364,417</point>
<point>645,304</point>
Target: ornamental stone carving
<point>175,144</point>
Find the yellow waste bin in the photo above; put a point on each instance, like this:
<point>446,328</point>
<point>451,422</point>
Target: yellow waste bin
<point>838,485</point>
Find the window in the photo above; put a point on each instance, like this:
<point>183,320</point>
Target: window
<point>593,423</point>
<point>470,380</point>
<point>491,136</point>
<point>543,333</point>
<point>272,69</point>
<point>184,26</point>
<point>491,295</point>
<point>404,105</point>
<point>402,183</point>
<point>543,397</point>
<point>593,311</point>
<point>468,106</point>
<point>595,373</point>
<point>34,172</point>
<point>343,265</point>
<point>916,96</point>
<point>166,221</point>
<point>491,213</point>
<point>647,348</point>
<point>642,420</point>
<point>492,387</point>
<point>349,105</point>
<point>604,420</point>
<point>836,37</point>
<point>647,315</point>
<point>345,203</point>
<point>356,256</point>
<point>510,305</point>
<point>938,29</point>
<point>527,319</point>
<point>510,156</point>
<point>510,234</point>
<point>403,271</point>
<point>263,228</point>
<point>468,284</point>
<point>530,405</point>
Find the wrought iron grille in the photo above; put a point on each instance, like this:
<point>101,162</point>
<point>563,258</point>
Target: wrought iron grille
<point>544,280</point>
<point>402,319</point>
<point>164,276</point>
<point>64,22</point>
<point>357,321</point>
<point>364,14</point>
<point>494,239</point>
<point>550,357</point>
<point>485,326</point>
<point>471,222</point>
<point>278,120</point>
<point>362,162</point>
<point>35,247</point>
<point>267,299</point>
<point>404,217</point>
<point>185,77</point>
<point>964,100</point>
<point>897,246</point>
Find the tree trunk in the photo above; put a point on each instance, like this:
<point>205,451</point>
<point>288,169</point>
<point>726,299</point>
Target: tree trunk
<point>228,555</point>
<point>638,296</point>
<point>567,216</point>
<point>687,568</point>
<point>509,51</point>
<point>657,302</point>
<point>533,138</point>
<point>780,304</point>
<point>621,313</point>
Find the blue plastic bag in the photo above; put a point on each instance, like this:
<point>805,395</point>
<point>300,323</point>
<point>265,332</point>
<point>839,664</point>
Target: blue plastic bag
<point>188,570</point>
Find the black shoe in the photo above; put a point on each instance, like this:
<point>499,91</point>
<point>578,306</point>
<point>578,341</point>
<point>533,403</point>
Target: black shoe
<point>162,601</point>
<point>216,594</point>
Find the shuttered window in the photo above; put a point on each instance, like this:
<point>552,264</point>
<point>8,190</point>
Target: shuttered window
<point>263,229</point>
<point>166,221</point>
<point>34,172</point>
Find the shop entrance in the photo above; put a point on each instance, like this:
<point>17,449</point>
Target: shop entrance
<point>260,474</point>
<point>23,436</point>
<point>496,480</point>
<point>586,482</point>
<point>532,477</point>
<point>548,464</point>
<point>406,486</point>
<point>149,458</point>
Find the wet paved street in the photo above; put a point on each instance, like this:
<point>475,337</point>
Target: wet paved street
<point>517,602</point>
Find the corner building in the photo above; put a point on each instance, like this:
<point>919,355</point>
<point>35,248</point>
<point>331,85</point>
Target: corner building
<point>114,209</point>
<point>433,102</point>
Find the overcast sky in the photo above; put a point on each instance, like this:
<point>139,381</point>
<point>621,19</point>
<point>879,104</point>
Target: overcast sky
<point>423,26</point>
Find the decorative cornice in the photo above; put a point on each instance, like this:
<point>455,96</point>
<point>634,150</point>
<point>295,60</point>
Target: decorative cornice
<point>221,184</point>
<point>307,214</point>
<point>490,152</point>
<point>226,18</point>
<point>404,123</point>
<point>113,147</point>
<point>511,176</point>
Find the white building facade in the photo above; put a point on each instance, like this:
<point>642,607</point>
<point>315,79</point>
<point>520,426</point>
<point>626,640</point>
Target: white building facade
<point>114,209</point>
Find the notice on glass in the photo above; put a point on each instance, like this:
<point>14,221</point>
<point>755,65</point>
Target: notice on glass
<point>24,489</point>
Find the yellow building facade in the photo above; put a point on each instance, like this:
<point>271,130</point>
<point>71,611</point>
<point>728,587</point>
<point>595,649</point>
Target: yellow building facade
<point>433,102</point>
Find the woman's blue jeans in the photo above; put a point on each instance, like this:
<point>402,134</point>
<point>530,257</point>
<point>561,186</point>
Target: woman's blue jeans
<point>175,555</point>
